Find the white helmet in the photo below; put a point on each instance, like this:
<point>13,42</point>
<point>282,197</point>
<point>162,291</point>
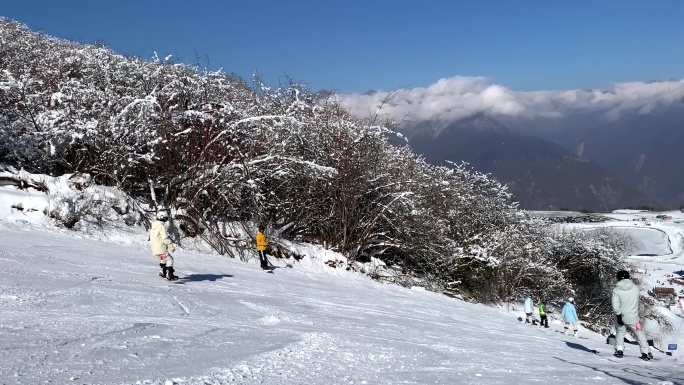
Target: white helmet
<point>571,300</point>
<point>162,216</point>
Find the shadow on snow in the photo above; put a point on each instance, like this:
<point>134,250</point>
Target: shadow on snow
<point>203,277</point>
<point>621,372</point>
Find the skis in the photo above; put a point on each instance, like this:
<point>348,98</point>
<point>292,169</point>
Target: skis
<point>612,357</point>
<point>174,279</point>
<point>628,358</point>
<point>571,335</point>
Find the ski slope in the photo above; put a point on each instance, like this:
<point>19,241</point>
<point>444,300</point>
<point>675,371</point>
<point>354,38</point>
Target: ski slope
<point>77,310</point>
<point>658,245</point>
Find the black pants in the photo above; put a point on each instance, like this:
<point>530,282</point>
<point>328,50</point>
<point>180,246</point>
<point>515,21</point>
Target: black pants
<point>543,320</point>
<point>262,259</point>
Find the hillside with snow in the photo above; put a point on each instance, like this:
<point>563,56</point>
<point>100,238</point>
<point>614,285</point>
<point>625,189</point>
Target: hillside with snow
<point>389,270</point>
<point>90,309</point>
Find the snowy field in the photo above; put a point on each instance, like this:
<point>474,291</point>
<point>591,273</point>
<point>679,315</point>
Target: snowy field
<point>78,310</point>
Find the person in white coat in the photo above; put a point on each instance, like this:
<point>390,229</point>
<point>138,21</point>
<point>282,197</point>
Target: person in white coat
<point>626,309</point>
<point>161,244</point>
<point>529,311</point>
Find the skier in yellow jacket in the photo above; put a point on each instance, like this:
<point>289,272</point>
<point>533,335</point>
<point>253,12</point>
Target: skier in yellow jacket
<point>543,318</point>
<point>261,245</point>
<point>161,244</point>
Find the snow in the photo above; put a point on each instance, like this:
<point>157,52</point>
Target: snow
<point>31,204</point>
<point>658,252</point>
<point>86,309</point>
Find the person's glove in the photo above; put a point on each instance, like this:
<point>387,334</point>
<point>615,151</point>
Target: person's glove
<point>619,320</point>
<point>172,248</point>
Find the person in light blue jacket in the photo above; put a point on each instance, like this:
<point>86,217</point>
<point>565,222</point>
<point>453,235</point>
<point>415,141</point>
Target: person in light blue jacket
<point>569,315</point>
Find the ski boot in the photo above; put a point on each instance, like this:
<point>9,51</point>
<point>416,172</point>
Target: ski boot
<point>618,354</point>
<point>170,275</point>
<point>646,357</point>
<point>162,273</point>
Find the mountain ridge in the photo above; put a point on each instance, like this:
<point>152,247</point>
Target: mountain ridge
<point>542,174</point>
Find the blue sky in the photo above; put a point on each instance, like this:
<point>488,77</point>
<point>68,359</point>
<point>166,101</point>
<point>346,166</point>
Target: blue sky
<point>354,46</point>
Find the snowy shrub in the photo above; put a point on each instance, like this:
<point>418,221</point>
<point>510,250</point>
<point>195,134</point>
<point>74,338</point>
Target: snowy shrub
<point>589,261</point>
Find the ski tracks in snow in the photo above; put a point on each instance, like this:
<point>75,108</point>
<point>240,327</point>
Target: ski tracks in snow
<point>186,310</point>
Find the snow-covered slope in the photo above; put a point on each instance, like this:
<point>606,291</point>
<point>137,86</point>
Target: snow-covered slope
<point>659,244</point>
<point>84,311</point>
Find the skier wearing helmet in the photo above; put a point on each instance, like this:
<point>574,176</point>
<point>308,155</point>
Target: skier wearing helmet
<point>161,244</point>
<point>626,308</point>
<point>261,245</point>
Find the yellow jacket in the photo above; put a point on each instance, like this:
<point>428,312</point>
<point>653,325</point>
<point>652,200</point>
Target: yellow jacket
<point>542,309</point>
<point>261,242</point>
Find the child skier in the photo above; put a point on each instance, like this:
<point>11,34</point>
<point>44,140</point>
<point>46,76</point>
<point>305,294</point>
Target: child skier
<point>160,243</point>
<point>543,319</point>
<point>261,245</point>
<point>570,317</point>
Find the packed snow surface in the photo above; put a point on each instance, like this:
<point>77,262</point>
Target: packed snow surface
<point>83,311</point>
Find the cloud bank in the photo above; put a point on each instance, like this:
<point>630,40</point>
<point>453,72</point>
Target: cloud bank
<point>454,98</point>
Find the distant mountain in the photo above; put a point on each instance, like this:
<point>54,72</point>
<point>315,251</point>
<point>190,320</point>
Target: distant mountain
<point>645,150</point>
<point>541,174</point>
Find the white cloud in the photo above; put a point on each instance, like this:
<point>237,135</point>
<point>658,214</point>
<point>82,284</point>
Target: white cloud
<point>457,97</point>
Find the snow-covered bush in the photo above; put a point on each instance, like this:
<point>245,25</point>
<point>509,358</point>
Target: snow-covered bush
<point>589,261</point>
<point>70,200</point>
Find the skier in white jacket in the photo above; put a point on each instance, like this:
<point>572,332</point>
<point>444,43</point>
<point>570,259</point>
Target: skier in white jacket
<point>626,309</point>
<point>161,244</point>
<point>529,311</point>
